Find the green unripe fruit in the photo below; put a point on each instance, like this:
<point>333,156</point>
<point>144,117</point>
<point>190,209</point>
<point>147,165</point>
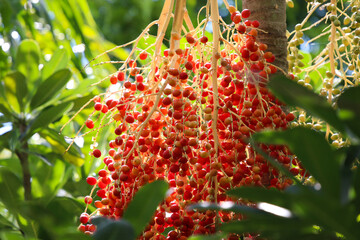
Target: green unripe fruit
<point>347,20</point>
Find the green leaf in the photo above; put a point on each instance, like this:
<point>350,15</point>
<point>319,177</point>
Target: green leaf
<point>228,207</point>
<point>58,61</point>
<point>5,111</point>
<point>54,219</point>
<point>5,223</point>
<point>113,229</point>
<point>4,141</point>
<point>80,102</point>
<point>6,13</point>
<point>144,204</point>
<point>63,209</point>
<point>296,95</point>
<point>15,90</point>
<point>352,154</point>
<point>357,189</point>
<point>349,108</point>
<point>11,189</point>
<point>145,43</point>
<point>316,76</point>
<point>59,146</point>
<point>48,115</point>
<point>4,62</point>
<point>272,227</point>
<point>13,140</point>
<point>217,236</point>
<point>12,235</point>
<point>314,152</point>
<point>120,53</point>
<point>50,87</point>
<point>28,59</point>
<point>257,194</point>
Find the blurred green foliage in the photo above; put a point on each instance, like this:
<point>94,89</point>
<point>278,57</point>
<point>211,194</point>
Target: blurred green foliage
<point>44,46</point>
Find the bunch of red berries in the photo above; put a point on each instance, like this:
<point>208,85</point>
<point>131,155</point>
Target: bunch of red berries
<point>173,124</point>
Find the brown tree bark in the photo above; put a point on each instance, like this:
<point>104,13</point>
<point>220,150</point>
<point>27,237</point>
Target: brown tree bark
<point>272,17</point>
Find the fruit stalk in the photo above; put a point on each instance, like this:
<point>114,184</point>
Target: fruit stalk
<point>179,13</point>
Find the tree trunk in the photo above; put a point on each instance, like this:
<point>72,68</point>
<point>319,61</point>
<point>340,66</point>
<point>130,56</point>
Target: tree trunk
<point>272,17</point>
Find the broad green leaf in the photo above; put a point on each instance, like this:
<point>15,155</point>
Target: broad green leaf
<point>11,235</point>
<point>5,223</point>
<point>229,207</point>
<point>5,111</point>
<point>349,108</point>
<point>64,208</point>
<point>15,87</point>
<point>4,63</point>
<point>6,15</point>
<point>59,146</point>
<point>28,59</point>
<point>51,171</point>
<point>352,154</point>
<point>313,151</point>
<point>113,229</point>
<point>11,189</point>
<point>80,102</point>
<point>50,88</point>
<point>81,89</point>
<point>217,236</point>
<point>275,228</point>
<point>296,95</point>
<point>145,43</point>
<point>304,203</point>
<point>58,61</point>
<point>144,204</point>
<point>316,76</point>
<point>357,189</point>
<point>48,115</point>
<point>53,219</point>
<point>14,139</point>
<point>258,194</point>
<point>120,53</point>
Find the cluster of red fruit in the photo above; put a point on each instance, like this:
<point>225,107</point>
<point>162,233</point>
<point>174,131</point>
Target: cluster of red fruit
<point>164,131</point>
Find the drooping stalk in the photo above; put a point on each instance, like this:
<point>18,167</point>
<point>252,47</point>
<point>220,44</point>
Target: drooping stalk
<point>214,60</point>
<point>180,8</point>
<point>332,62</point>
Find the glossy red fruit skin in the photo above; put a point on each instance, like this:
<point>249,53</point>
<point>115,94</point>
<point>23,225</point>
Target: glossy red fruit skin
<point>241,28</point>
<point>129,119</point>
<point>143,55</point>
<point>98,106</point>
<point>88,200</point>
<point>255,24</point>
<point>245,13</point>
<point>91,180</point>
<point>89,124</point>
<point>121,76</point>
<point>237,18</point>
<point>290,117</point>
<point>203,39</point>
<point>97,153</point>
<point>84,218</point>
<point>113,79</point>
